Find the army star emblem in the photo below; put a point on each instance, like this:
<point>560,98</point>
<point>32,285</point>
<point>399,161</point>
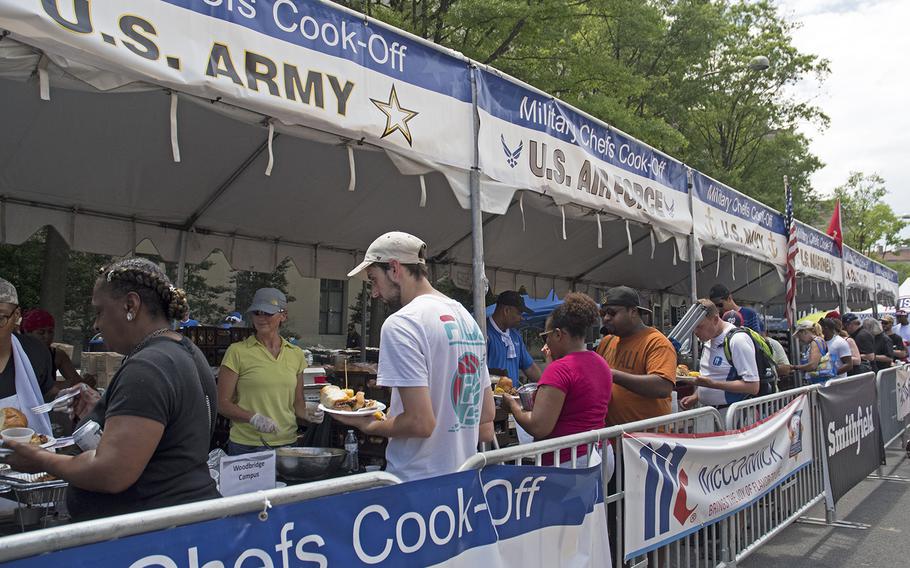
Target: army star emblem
<point>396,117</point>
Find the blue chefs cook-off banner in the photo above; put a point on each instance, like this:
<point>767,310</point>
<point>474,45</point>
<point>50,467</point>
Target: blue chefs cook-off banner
<point>678,483</point>
<point>532,141</point>
<point>501,516</point>
<point>860,271</point>
<point>303,63</point>
<point>818,255</point>
<point>728,219</point>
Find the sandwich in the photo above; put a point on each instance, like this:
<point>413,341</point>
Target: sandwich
<point>682,371</point>
<point>337,398</point>
<point>12,418</point>
<point>504,386</point>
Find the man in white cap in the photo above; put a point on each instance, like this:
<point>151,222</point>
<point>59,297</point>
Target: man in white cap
<point>26,370</point>
<point>433,355</point>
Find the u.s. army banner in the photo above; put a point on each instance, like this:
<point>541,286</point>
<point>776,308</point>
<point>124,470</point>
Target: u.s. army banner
<point>303,63</point>
<point>676,484</point>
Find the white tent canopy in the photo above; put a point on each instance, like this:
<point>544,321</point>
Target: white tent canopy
<point>112,146</point>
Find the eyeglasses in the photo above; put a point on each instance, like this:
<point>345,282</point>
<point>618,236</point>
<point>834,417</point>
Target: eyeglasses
<point>263,314</point>
<point>546,333</point>
<point>4,318</point>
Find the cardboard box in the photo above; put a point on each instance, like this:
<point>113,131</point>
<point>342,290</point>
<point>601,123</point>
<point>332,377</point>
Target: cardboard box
<point>102,365</point>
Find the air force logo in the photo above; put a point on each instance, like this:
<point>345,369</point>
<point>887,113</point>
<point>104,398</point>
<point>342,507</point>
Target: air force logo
<point>512,155</point>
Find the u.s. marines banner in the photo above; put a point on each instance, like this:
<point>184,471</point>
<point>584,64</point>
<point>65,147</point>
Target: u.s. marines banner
<point>300,62</point>
<point>678,483</point>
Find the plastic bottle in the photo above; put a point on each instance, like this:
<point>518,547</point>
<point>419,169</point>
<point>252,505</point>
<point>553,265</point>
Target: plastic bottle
<point>350,446</point>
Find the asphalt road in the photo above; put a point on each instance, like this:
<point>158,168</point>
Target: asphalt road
<point>885,505</point>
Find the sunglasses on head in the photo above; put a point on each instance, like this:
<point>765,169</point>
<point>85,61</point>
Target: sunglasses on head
<point>548,332</point>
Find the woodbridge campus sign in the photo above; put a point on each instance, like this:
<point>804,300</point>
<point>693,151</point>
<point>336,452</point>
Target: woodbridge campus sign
<point>677,484</point>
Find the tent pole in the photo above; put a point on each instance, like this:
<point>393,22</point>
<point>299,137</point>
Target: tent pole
<point>693,283</point>
<point>181,260</point>
<point>479,280</point>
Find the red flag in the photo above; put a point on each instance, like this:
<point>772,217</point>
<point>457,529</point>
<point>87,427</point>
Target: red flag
<point>834,227</point>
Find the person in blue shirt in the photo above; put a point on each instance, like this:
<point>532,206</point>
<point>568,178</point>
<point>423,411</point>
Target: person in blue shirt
<point>720,296</point>
<point>505,349</point>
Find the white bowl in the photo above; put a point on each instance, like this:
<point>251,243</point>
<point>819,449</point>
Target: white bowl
<point>21,435</point>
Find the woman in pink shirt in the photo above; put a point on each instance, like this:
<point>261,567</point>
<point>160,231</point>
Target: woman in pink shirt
<point>574,391</point>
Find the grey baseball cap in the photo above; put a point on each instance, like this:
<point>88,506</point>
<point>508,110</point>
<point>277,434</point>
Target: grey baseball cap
<point>8,293</point>
<point>268,300</point>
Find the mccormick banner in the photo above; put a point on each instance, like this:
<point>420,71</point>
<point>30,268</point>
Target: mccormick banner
<point>818,256</point>
<point>501,516</point>
<point>728,219</point>
<point>852,434</point>
<point>529,140</point>
<point>302,62</point>
<point>678,483</point>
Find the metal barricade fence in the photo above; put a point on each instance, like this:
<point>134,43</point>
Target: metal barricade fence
<point>886,385</point>
<point>702,548</point>
<point>770,514</point>
<point>101,530</point>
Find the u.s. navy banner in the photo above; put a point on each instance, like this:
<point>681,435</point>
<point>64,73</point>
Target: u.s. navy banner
<point>501,516</point>
<point>303,63</point>
<point>533,141</point>
<point>728,219</point>
<point>818,255</point>
<point>678,483</point>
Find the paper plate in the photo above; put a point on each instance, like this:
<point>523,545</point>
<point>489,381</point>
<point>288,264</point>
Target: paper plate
<point>361,412</point>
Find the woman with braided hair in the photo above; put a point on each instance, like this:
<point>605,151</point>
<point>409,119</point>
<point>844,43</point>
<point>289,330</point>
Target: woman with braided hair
<point>157,414</point>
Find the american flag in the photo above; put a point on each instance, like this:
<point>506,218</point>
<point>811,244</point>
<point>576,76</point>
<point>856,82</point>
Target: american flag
<point>791,256</point>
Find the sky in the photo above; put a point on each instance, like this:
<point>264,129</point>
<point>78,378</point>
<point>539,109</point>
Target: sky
<point>866,94</point>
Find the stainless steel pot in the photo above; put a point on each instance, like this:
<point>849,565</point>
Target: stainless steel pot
<point>303,464</point>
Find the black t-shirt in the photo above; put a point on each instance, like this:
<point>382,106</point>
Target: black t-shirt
<point>865,341</point>
<point>897,342</point>
<point>882,347</point>
<point>39,356</point>
<point>169,382</point>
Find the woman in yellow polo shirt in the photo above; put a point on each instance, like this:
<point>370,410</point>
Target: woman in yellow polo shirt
<point>260,383</point>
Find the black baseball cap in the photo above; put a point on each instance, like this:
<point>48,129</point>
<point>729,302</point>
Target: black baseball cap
<point>625,297</point>
<point>514,299</point>
<point>719,292</point>
<point>848,318</point>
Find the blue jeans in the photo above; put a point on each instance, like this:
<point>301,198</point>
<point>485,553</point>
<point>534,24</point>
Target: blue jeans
<point>235,449</point>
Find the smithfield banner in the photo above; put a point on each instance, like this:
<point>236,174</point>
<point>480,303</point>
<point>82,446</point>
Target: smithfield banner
<point>852,434</point>
<point>677,483</point>
<point>728,219</point>
<point>301,62</point>
<point>501,516</point>
<point>817,255</point>
<point>533,141</point>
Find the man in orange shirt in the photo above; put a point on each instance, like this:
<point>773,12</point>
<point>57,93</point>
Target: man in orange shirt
<point>642,359</point>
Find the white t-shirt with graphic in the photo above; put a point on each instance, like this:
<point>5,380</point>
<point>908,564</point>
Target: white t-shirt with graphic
<point>714,365</point>
<point>838,348</point>
<point>434,342</point>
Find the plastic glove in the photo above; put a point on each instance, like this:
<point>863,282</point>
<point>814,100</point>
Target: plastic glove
<point>263,424</point>
<point>313,414</point>
<point>82,404</point>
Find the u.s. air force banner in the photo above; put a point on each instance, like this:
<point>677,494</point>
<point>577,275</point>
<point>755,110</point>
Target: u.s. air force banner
<point>500,517</point>
<point>677,483</point>
<point>301,62</point>
<point>532,141</point>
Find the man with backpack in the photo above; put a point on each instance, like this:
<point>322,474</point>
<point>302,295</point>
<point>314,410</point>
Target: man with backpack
<point>729,366</point>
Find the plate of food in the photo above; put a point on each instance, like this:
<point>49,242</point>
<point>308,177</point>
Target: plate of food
<point>683,374</point>
<point>504,387</point>
<point>346,402</point>
<point>13,418</point>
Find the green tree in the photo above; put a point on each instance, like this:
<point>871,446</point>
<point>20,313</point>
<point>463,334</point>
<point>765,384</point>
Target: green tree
<point>867,221</point>
<point>21,266</point>
<point>245,284</point>
<point>206,301</point>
